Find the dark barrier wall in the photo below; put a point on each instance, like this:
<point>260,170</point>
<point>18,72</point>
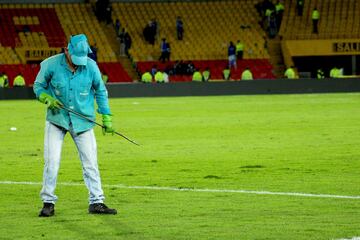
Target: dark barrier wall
<point>280,86</point>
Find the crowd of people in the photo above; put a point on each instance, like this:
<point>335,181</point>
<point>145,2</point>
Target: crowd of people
<point>187,68</point>
<point>272,14</point>
<point>151,33</point>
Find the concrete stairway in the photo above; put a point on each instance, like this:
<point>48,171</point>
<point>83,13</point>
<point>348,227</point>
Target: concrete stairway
<point>276,57</point>
<point>115,46</point>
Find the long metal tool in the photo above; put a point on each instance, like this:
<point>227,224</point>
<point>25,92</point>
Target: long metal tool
<point>100,125</point>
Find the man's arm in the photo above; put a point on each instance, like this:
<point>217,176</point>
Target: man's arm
<point>42,79</point>
<point>41,85</point>
<point>102,101</point>
<point>101,94</point>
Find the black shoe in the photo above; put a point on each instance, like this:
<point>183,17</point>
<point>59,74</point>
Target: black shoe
<point>100,208</point>
<point>48,210</point>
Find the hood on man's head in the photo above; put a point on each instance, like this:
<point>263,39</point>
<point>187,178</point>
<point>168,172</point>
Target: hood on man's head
<point>79,49</point>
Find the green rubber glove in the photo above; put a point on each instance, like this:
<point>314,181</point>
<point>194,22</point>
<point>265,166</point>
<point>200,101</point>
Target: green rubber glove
<point>107,122</point>
<point>51,102</point>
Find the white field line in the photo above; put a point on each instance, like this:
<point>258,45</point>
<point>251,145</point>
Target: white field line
<point>194,190</point>
<point>354,238</point>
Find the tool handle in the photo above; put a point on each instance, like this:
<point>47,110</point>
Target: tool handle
<point>100,125</point>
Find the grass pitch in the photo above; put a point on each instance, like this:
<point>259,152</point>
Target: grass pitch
<point>276,143</point>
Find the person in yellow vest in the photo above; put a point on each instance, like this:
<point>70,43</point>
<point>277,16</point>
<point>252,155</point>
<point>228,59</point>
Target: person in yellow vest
<point>197,77</point>
<point>104,77</point>
<point>146,77</point>
<point>19,81</point>
<point>226,73</point>
<point>159,77</point>
<point>247,74</point>
<point>1,80</point>
<point>315,16</point>
<point>268,12</point>
<point>290,73</point>
<point>334,72</point>
<point>206,75</point>
<point>4,81</point>
<point>300,7</point>
<point>320,74</point>
<point>239,50</point>
<point>279,11</point>
<point>166,76</point>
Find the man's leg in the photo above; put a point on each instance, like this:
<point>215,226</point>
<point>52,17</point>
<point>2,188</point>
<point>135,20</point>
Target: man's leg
<point>86,145</point>
<point>53,141</point>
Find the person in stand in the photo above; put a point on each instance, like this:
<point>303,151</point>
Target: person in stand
<point>239,50</point>
<point>247,74</point>
<point>146,77</point>
<point>166,74</point>
<point>320,74</point>
<point>206,75</point>
<point>19,81</point>
<point>165,51</point>
<point>117,27</point>
<point>149,33</point>
<point>335,72</point>
<point>104,77</point>
<point>127,42</point>
<point>290,73</point>
<point>154,69</point>
<point>4,80</point>
<point>273,28</point>
<point>232,55</point>
<point>179,28</point>
<point>155,28</point>
<point>73,80</point>
<point>122,42</point>
<point>315,16</point>
<point>159,77</point>
<point>108,12</point>
<point>299,7</point>
<point>93,54</point>
<point>226,73</point>
<point>190,68</point>
<point>279,11</point>
<point>197,77</point>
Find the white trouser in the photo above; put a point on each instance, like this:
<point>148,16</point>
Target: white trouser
<point>86,145</point>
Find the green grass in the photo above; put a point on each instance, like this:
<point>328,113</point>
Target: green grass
<point>279,143</point>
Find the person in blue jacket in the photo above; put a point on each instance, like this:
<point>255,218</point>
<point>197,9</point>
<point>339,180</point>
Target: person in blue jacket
<point>73,80</point>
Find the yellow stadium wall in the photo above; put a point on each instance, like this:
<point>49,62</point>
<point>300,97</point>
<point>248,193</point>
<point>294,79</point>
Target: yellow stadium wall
<point>300,48</point>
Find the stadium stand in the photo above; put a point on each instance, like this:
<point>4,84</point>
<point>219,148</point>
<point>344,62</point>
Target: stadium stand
<point>338,20</point>
<point>28,29</point>
<point>8,56</point>
<point>25,18</point>
<point>47,25</point>
<point>209,27</point>
<point>29,71</point>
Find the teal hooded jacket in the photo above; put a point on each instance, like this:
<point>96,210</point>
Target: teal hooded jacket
<point>77,91</point>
